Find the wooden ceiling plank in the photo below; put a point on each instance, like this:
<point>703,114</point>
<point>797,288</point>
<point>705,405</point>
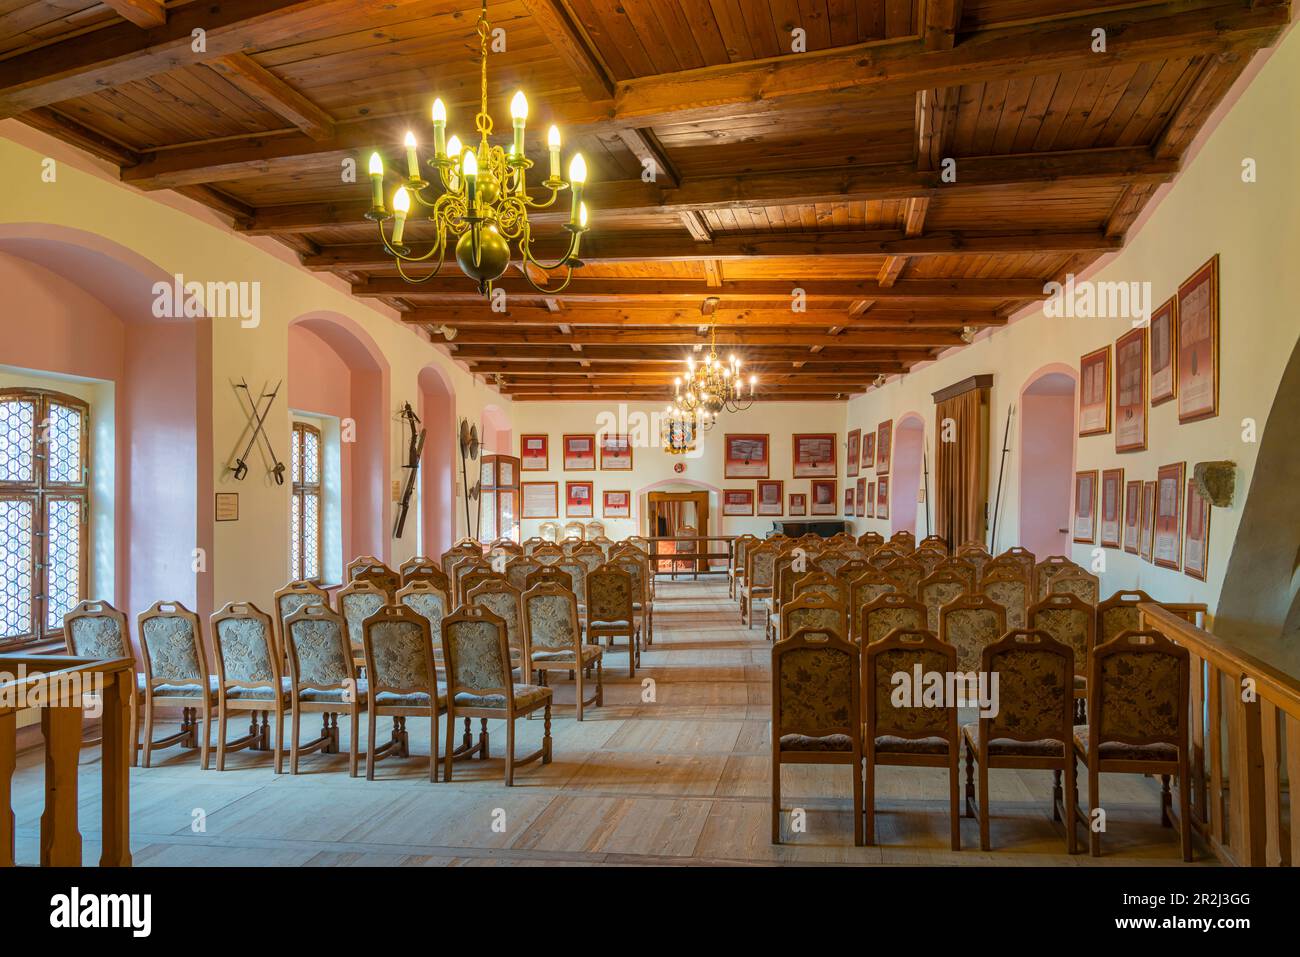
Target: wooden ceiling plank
<point>146,14</point>
<point>275,94</point>
<point>572,46</point>
<point>942,17</point>
<point>748,339</point>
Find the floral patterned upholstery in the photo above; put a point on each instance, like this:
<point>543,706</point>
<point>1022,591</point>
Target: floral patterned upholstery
<point>762,563</point>
<point>400,654</point>
<point>907,573</point>
<point>525,696</point>
<point>970,631</point>
<point>820,617</point>
<point>432,606</point>
<point>173,651</point>
<point>1139,695</point>
<point>1085,588</point>
<point>962,568</point>
<point>291,602</point>
<point>356,608</point>
<point>830,587</point>
<point>245,649</point>
<point>892,744</point>
<point>934,596</point>
<point>865,592</point>
<point>1010,747</point>
<point>1117,620</point>
<point>381,576</point>
<point>928,559</point>
<point>609,597</point>
<point>505,605</point>
<point>566,655</point>
<point>830,742</point>
<point>1069,626</point>
<point>578,572</point>
<point>321,650</point>
<point>414,699</point>
<point>1119,751</point>
<point>1046,571</point>
<point>1010,595</point>
<point>474,650</point>
<point>832,563</point>
<point>550,623</point>
<point>1035,692</point>
<point>517,572</point>
<point>815,689</point>
<point>906,722</point>
<point>98,636</point>
<point>881,621</point>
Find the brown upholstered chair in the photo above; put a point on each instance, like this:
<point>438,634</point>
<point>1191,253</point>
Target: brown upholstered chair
<point>95,629</point>
<point>1119,613</point>
<point>1083,585</point>
<point>935,591</point>
<point>610,612</point>
<point>249,678</point>
<point>970,623</point>
<point>358,600</point>
<point>1073,623</point>
<point>888,612</point>
<point>1008,586</point>
<point>1047,569</point>
<point>175,676</point>
<point>322,680</point>
<point>814,610</point>
<point>423,569</point>
<point>373,570</point>
<point>401,682</point>
<point>553,642</point>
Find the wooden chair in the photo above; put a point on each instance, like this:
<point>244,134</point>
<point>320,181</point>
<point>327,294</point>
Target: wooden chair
<point>594,530</point>
<point>910,736</point>
<point>1083,585</point>
<point>888,613</point>
<point>1047,569</point>
<point>759,564</point>
<point>1137,723</point>
<point>95,629</point>
<point>610,613</point>
<point>977,555</point>
<point>289,599</point>
<point>503,599</point>
<point>549,575</point>
<point>550,532</point>
<point>813,610</point>
<point>176,676</point>
<point>574,532</point>
<point>590,555</point>
<point>421,569</point>
<point>1008,586</point>
<point>477,569</point>
<point>322,680</point>
<point>961,567</point>
<point>883,555</point>
<point>401,682</point>
<point>904,541</point>
<point>934,542</point>
<point>863,590</point>
<point>970,624</point>
<point>788,566</point>
<point>826,583</point>
<point>372,570</point>
<point>852,569</point>
<point>929,559</point>
<point>935,591</point>
<point>548,554</point>
<point>577,571</point>
<point>518,570</point>
<point>603,542</point>
<point>506,546</point>
<point>736,567</point>
<point>1034,725</point>
<point>1119,613</point>
<point>531,543</point>
<point>871,539</point>
<point>358,600</point>
<point>1074,624</point>
<point>907,573</point>
<point>249,678</point>
<point>553,642</point>
<point>636,565</point>
<point>431,603</point>
<point>816,711</point>
<point>832,561</point>
<point>1023,558</point>
<point>479,685</point>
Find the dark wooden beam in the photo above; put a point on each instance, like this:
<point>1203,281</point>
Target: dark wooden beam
<point>49,120</point>
<point>275,94</point>
<point>753,354</point>
<point>143,13</point>
<point>942,17</point>
<point>530,318</point>
<point>572,46</point>
<point>509,333</point>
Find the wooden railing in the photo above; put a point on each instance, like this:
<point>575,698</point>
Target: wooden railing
<point>1245,748</point>
<point>698,560</point>
<point>58,683</point>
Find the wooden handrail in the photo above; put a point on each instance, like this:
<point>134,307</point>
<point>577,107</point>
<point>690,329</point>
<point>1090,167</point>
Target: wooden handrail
<point>55,682</point>
<point>1241,710</point>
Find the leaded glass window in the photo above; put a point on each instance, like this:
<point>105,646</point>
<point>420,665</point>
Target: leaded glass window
<point>44,509</point>
<point>305,514</point>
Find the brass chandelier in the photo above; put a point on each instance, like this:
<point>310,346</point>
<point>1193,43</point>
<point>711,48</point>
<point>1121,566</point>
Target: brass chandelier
<point>713,386</point>
<point>483,196</point>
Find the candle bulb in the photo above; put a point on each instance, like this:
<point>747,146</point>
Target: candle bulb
<point>412,158</point>
<point>454,150</point>
<point>519,113</point>
<point>376,181</point>
<point>582,223</point>
<point>553,143</point>
<point>439,129</point>
<point>401,206</point>
<point>577,177</point>
<point>469,167</point>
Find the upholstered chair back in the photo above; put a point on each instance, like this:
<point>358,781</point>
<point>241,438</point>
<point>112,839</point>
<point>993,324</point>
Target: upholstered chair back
<point>320,655</point>
<point>887,613</point>
<point>825,582</point>
<point>814,610</point>
<point>475,653</point>
<point>934,543</point>
<point>293,596</point>
<point>1119,613</point>
<point>530,544</point>
<point>901,652</point>
<point>610,594</point>
<point>904,541</point>
<point>977,555</point>
<point>577,572</point>
<point>1007,586</point>
<point>421,569</point>
<point>477,576</point>
<point>502,599</point>
<point>970,623</point>
<point>1069,621</point>
<point>590,555</point>
<point>832,561</point>
<point>760,563</point>
<point>1137,690</point>
<point>1083,585</point>
<point>574,534</point>
<point>358,600</point>
<point>740,549</point>
<point>871,539</point>
<point>379,575</point>
<point>95,629</point>
<point>935,591</point>
<point>1046,570</point>
<point>549,574</point>
<point>550,618</point>
<point>518,570</point>
<point>469,566</point>
<point>1035,688</point>
<point>636,569</point>
<point>815,690</point>
<point>172,643</point>
<point>243,642</point>
<point>399,652</point>
<point>548,554</point>
<point>961,567</point>
<point>428,601</point>
<point>907,573</point>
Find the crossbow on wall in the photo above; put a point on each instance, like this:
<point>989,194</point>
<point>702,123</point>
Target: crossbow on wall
<point>414,450</point>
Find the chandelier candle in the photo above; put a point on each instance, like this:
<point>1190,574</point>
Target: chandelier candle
<point>401,206</point>
<point>553,143</point>
<point>412,158</point>
<point>439,129</point>
<point>376,183</point>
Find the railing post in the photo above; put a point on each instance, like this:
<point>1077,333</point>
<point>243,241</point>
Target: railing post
<point>1246,777</point>
<point>119,687</point>
<point>60,838</point>
<point>8,763</point>
<point>1275,855</point>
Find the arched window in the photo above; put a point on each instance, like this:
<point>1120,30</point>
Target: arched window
<point>305,513</point>
<point>44,511</point>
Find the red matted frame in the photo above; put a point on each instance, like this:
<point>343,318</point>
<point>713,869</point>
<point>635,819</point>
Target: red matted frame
<point>1198,344</point>
<point>615,453</point>
<point>853,452</point>
<point>1112,483</point>
<point>1169,488</point>
<point>805,464</point>
<point>543,452</point>
<point>882,497</point>
<point>573,507</point>
<point>1162,381</point>
<point>1133,517</point>
<point>831,505</point>
<point>737,502</point>
<point>1094,392</point>
<point>1196,530</point>
<point>769,509</point>
<point>861,497</point>
<point>884,447</point>
<point>869,450</point>
<point>570,455</point>
<point>1131,391</point>
<point>616,511</point>
<point>798,504</point>
<point>848,500</point>
<point>736,465</point>
<point>1085,508</point>
<point>523,498</point>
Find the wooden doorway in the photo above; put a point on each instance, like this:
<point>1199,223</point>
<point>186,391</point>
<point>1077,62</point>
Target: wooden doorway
<point>678,513</point>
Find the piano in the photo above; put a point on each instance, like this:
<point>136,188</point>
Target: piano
<point>824,528</point>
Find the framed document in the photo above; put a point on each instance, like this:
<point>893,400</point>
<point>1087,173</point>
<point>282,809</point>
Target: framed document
<point>534,453</point>
<point>1112,507</point>
<point>1196,538</point>
<point>1148,519</point>
<point>861,497</point>
<point>1133,517</point>
<point>882,497</point>
<point>884,447</point>
<point>615,453</point>
<point>853,452</point>
<point>814,457</point>
<point>737,501</point>
<point>871,499</point>
<point>541,500</point>
<point>746,456</point>
<point>1084,527</point>
<point>848,500</point>
<point>771,497</point>
<point>578,500</point>
<point>823,495</point>
<point>579,453</point>
<point>1198,344</point>
<point>227,507</point>
<point>616,504</point>
<point>1167,552</point>
<point>1094,392</point>
<point>798,504</point>
<point>1130,391</point>
<point>1163,382</point>
<point>869,450</point>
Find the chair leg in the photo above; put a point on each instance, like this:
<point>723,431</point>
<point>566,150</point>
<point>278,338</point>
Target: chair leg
<point>600,683</point>
<point>1058,796</point>
<point>294,724</point>
<point>776,799</point>
<point>352,745</point>
<point>510,750</point>
<point>546,734</point>
<point>970,780</point>
<point>1069,799</point>
<point>857,802</point>
<point>1185,805</point>
<point>433,741</point>
<point>1094,802</point>
<point>279,735</point>
<point>204,727</point>
<point>869,798</point>
<point>1166,802</point>
<point>985,812</point>
<point>135,728</point>
<point>222,717</point>
<point>451,744</point>
<point>578,684</point>
<point>148,729</point>
<point>954,797</point>
<point>371,718</point>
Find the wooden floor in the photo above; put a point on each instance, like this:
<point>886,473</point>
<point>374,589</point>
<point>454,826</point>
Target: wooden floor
<point>672,771</point>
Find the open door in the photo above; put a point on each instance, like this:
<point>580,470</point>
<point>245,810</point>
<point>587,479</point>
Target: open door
<point>678,513</point>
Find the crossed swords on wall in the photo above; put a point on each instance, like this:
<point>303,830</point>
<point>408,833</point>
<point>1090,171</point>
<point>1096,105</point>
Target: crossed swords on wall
<point>257,420</point>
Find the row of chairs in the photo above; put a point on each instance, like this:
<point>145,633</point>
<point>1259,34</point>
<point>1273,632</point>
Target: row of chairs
<point>836,701</point>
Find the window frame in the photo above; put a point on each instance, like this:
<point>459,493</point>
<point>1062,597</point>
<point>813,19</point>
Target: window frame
<point>300,489</point>
<point>41,492</point>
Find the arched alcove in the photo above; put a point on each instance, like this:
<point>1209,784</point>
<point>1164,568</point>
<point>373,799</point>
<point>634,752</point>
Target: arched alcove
<point>437,465</point>
<point>336,369</point>
<point>1046,452</point>
<point>908,455</point>
<point>498,435</point>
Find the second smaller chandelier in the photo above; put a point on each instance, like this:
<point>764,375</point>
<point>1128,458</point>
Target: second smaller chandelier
<point>712,387</point>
